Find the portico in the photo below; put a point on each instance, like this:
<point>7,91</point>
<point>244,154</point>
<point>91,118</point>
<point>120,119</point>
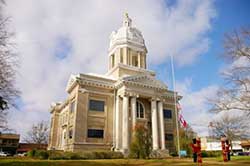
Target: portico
<point>131,114</point>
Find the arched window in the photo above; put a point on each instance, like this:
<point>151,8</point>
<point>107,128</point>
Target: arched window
<point>140,112</point>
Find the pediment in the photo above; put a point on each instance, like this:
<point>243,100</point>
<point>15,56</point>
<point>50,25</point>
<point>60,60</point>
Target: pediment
<point>145,80</point>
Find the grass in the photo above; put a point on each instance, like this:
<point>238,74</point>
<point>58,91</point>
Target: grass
<point>236,161</point>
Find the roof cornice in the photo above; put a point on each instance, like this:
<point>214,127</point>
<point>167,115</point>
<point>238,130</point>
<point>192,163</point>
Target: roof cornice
<point>137,69</point>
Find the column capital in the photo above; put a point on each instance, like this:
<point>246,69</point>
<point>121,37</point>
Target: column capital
<point>136,95</point>
<point>125,94</point>
<point>152,99</point>
<point>82,90</point>
<point>130,94</point>
<point>159,98</point>
<point>155,98</point>
<point>160,102</point>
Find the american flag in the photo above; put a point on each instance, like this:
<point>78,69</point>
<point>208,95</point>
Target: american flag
<point>181,119</point>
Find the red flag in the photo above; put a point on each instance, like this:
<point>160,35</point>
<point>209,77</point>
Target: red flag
<point>182,120</point>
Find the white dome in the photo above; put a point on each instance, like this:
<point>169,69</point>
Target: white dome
<point>127,35</point>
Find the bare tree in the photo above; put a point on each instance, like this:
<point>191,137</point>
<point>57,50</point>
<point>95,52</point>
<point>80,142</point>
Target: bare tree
<point>233,127</point>
<point>38,133</point>
<point>235,95</point>
<point>8,66</point>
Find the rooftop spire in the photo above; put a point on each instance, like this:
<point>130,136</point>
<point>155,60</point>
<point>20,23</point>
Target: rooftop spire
<point>127,22</point>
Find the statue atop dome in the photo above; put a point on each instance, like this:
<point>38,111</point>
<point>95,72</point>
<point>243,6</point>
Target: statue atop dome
<point>127,22</point>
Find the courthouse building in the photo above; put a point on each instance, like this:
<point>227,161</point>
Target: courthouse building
<point>101,111</point>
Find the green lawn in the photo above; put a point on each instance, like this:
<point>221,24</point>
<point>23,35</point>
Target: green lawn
<point>236,161</point>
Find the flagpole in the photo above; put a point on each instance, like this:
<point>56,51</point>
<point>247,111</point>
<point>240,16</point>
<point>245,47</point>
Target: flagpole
<point>175,109</point>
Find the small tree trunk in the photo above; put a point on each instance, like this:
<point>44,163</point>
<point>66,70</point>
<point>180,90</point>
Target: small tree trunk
<point>231,144</point>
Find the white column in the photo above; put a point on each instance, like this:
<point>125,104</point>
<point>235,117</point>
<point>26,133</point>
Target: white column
<point>139,59</point>
<point>154,125</point>
<point>142,61</point>
<point>133,106</point>
<point>125,131</point>
<point>125,56</point>
<point>161,118</point>
<point>117,123</point>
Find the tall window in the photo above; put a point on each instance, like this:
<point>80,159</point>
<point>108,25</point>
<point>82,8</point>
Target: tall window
<point>72,106</point>
<point>95,133</point>
<point>96,105</point>
<point>169,137</point>
<point>167,114</point>
<point>139,110</point>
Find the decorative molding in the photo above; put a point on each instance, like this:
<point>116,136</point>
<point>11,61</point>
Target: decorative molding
<point>82,90</point>
<point>131,94</point>
<point>133,68</point>
<point>155,98</point>
<point>127,43</point>
<point>135,80</point>
<point>96,81</point>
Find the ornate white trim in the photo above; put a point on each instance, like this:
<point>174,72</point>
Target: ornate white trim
<point>95,92</point>
<point>129,44</point>
<point>137,69</point>
<point>96,81</point>
<point>132,80</point>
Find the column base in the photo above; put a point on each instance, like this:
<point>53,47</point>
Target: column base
<point>125,152</point>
